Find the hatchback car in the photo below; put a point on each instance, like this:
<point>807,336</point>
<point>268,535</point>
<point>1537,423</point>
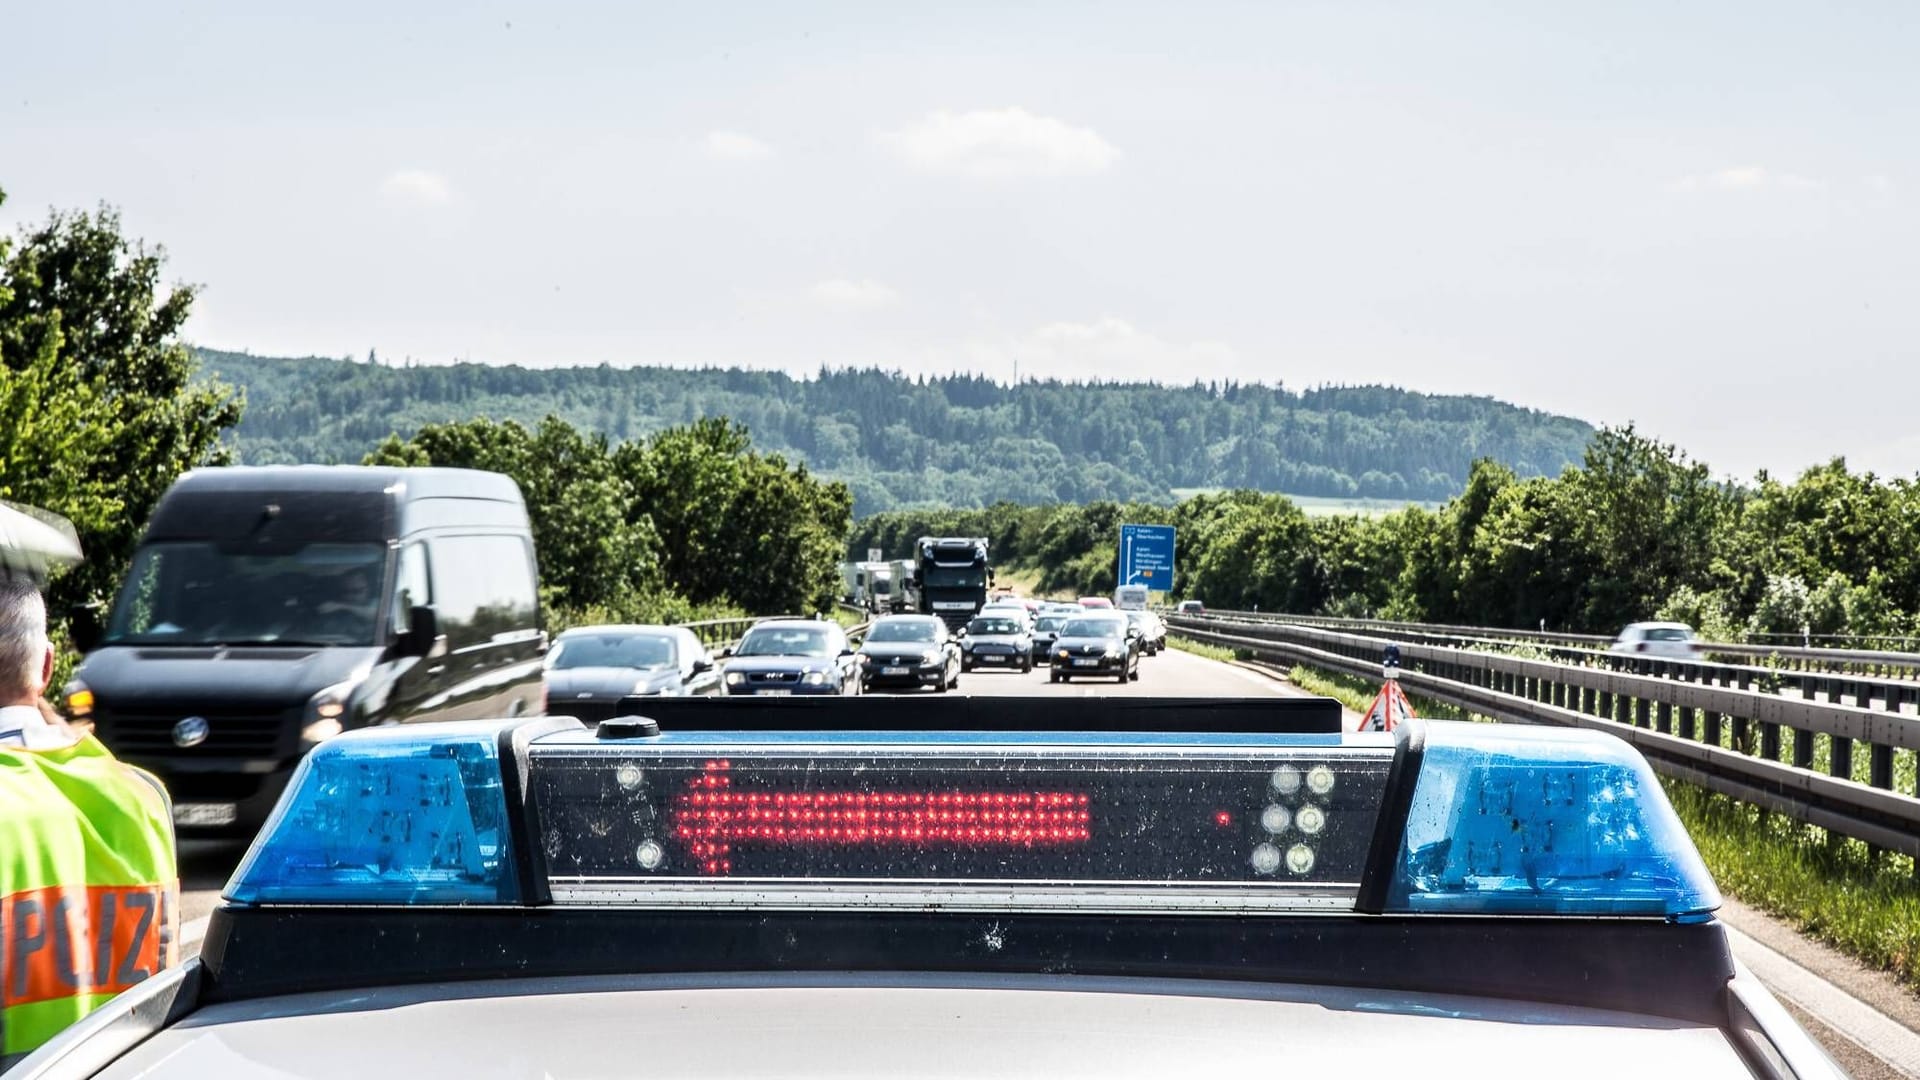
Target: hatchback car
<point>1045,629</point>
<point>782,657</point>
<point>1666,640</point>
<point>997,640</point>
<point>590,668</point>
<point>910,651</point>
<point>1099,644</point>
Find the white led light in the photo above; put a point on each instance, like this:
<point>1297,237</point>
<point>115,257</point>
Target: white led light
<point>1300,858</point>
<point>1286,779</point>
<point>1319,779</point>
<point>1311,819</point>
<point>627,776</point>
<point>1266,859</point>
<point>651,855</point>
<point>1275,819</point>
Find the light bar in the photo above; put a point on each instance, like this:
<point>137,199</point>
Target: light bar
<point>1500,820</point>
<point>411,815</point>
<point>1538,821</point>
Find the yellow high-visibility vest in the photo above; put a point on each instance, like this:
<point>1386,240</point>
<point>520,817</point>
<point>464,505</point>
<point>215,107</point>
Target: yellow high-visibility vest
<point>89,886</point>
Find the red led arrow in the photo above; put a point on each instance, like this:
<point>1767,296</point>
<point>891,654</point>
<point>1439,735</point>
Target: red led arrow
<point>712,815</point>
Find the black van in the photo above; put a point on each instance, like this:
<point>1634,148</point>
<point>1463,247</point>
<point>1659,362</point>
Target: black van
<point>270,608</point>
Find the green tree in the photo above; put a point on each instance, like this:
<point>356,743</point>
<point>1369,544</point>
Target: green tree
<point>100,398</point>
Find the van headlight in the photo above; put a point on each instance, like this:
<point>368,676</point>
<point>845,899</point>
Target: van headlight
<point>326,712</point>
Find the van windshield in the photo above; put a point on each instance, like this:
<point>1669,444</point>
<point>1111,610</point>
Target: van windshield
<point>193,593</point>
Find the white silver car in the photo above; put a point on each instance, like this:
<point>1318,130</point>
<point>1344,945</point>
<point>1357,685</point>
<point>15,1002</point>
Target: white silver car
<point>1661,640</point>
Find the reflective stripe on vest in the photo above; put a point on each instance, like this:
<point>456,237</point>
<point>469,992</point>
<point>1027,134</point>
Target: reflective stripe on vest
<point>88,886</point>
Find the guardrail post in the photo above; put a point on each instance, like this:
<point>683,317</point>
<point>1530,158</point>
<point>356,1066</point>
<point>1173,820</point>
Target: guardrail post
<point>1665,722</point>
<point>1642,709</point>
<point>1606,705</point>
<point>1586,700</point>
<point>1770,740</point>
<point>1686,723</point>
<point>1712,737</point>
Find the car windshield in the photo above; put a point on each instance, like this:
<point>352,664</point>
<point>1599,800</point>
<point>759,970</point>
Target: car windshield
<point>639,651</point>
<point>1092,628</point>
<point>905,630</point>
<point>1050,622</point>
<point>196,593</point>
<point>1669,633</point>
<point>785,641</point>
<point>993,626</point>
<point>955,577</point>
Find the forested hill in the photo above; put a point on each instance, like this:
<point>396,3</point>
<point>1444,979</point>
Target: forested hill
<point>958,441</point>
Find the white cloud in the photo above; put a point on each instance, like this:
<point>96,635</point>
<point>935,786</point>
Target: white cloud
<point>1745,178</point>
<point>416,187</point>
<point>733,146</point>
<point>996,144</point>
<point>843,294</point>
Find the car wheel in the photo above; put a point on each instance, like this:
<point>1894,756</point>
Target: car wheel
<point>941,686</point>
<point>1135,676</point>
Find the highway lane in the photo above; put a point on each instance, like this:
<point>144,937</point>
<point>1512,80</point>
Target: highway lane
<point>205,866</point>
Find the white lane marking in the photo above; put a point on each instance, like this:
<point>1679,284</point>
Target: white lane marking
<point>194,931</point>
<point>1878,1035</point>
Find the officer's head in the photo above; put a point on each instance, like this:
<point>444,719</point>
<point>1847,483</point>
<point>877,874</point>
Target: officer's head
<point>26,656</point>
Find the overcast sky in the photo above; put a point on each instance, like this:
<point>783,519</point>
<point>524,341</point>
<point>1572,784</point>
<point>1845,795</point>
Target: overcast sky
<point>1701,217</point>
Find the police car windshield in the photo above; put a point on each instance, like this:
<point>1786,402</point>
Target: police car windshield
<point>784,641</point>
<point>1104,628</point>
<point>194,593</point>
<point>640,651</point>
<point>993,626</point>
<point>909,630</point>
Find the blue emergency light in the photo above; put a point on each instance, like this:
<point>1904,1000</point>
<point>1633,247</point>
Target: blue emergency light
<point>1500,821</point>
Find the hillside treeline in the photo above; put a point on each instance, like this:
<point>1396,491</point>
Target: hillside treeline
<point>1636,531</point>
<point>687,523</point>
<point>954,441</point>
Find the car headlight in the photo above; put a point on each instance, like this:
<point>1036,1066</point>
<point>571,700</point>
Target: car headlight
<point>735,678</point>
<point>1115,652</point>
<point>1061,655</point>
<point>814,678</point>
<point>931,656</point>
<point>867,659</point>
<point>325,712</point>
<point>79,700</point>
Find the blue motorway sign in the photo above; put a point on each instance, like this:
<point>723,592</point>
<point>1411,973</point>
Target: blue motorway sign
<point>1146,556</point>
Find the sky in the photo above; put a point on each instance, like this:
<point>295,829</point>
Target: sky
<point>1700,218</point>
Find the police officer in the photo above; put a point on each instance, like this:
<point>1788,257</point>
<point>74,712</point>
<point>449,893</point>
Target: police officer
<point>88,882</point>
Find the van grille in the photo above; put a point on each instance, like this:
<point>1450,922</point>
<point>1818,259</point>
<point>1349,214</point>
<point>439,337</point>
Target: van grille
<point>231,732</point>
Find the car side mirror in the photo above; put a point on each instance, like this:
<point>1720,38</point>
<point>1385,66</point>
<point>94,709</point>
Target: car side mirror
<point>703,664</point>
<point>726,651</point>
<point>423,638</point>
<point>848,652</point>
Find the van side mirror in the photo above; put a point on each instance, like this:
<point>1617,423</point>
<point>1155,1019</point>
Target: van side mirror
<point>83,631</point>
<point>702,665</point>
<point>423,638</point>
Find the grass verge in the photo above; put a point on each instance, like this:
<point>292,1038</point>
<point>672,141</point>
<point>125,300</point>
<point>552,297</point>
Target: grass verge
<point>1201,648</point>
<point>1833,890</point>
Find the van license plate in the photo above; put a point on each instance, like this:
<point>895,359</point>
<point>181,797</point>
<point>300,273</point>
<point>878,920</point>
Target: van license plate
<point>217,813</point>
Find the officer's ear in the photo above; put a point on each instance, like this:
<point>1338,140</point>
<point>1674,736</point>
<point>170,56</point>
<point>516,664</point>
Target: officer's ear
<point>46,668</point>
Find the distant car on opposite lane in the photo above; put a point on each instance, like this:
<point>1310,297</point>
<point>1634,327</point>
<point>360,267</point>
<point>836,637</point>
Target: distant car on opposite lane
<point>590,668</point>
<point>997,640</point>
<point>909,650</point>
<point>1096,643</point>
<point>1191,607</point>
<point>1666,640</point>
<point>781,657</point>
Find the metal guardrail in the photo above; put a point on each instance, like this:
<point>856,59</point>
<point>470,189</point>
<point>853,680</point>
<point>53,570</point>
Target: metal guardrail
<point>1746,742</point>
<point>1788,658</point>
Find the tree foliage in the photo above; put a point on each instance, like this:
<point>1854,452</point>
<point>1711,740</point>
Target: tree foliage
<point>690,520</point>
<point>99,399</point>
<point>961,440</point>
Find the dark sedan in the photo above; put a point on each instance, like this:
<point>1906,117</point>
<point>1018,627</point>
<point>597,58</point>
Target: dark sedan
<point>590,668</point>
<point>909,650</point>
<point>1099,644</point>
<point>781,657</point>
<point>1045,629</point>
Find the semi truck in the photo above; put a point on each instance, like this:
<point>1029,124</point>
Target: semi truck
<point>876,586</point>
<point>951,576</point>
